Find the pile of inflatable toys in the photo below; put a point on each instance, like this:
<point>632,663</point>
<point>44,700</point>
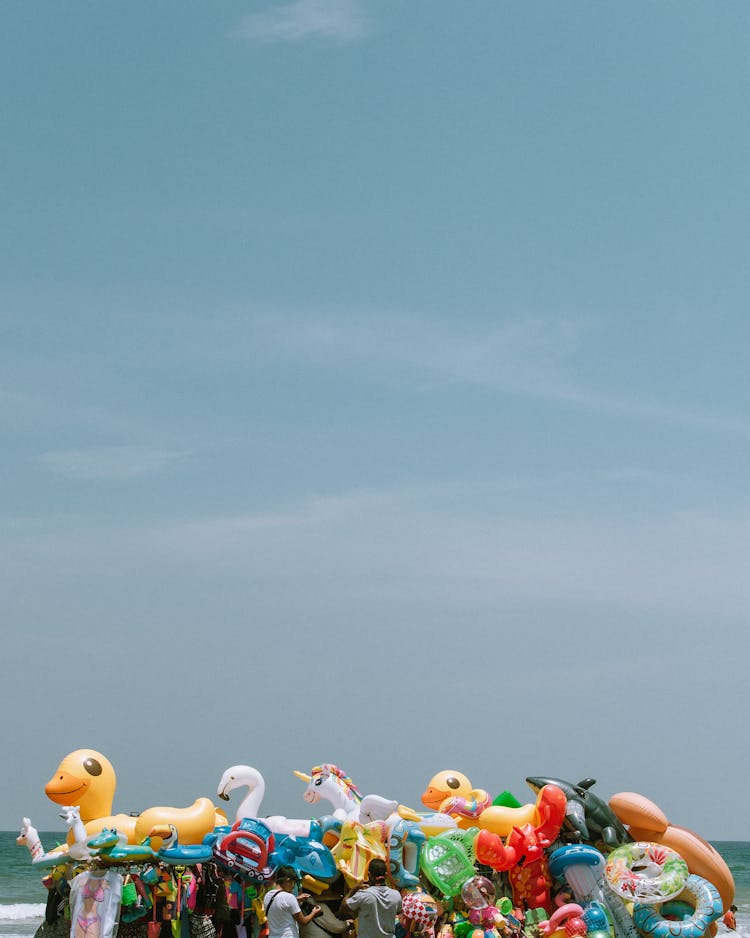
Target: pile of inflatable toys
<point>565,864</point>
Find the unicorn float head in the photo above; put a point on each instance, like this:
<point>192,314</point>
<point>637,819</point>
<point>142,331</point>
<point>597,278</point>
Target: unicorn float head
<point>329,782</point>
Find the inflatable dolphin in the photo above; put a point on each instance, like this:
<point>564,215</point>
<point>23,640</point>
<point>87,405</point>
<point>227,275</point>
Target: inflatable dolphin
<point>588,817</point>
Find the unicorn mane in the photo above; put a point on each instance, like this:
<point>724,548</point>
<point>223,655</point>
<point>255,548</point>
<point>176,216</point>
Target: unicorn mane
<point>328,768</point>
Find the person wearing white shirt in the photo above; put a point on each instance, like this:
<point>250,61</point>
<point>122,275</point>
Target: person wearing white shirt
<point>282,908</point>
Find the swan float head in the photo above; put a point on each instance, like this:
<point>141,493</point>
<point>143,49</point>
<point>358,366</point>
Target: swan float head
<point>243,776</point>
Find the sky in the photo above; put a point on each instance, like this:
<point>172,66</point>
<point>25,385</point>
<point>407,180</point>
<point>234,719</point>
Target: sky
<point>374,390</point>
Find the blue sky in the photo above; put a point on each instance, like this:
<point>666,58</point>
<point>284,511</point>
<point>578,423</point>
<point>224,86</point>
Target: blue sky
<point>373,390</point>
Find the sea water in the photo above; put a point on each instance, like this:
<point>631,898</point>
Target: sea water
<point>23,897</point>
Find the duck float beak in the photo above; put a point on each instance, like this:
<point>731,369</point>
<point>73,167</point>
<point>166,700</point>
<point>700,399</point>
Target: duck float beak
<point>433,798</point>
<point>65,787</point>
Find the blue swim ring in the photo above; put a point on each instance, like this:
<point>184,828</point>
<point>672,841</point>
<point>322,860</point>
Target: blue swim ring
<point>700,894</point>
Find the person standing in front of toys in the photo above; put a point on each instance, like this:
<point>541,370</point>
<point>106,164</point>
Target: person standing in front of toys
<point>375,904</point>
<point>282,908</point>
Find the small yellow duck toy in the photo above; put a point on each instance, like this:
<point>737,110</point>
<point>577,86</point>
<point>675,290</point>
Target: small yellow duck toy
<point>451,792</point>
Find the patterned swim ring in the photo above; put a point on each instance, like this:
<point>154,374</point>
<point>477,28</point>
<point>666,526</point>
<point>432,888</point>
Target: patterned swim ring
<point>646,873</point>
<point>699,894</point>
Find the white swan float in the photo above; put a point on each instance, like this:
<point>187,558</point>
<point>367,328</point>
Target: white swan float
<point>245,776</point>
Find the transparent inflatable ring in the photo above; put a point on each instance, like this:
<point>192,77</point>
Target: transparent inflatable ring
<point>646,873</point>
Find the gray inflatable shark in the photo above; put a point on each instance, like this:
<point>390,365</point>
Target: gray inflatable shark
<point>587,817</point>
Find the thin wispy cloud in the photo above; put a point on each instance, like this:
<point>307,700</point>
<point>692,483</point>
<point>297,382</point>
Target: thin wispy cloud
<point>44,408</point>
<point>400,544</point>
<point>529,357</point>
<point>422,548</point>
<point>337,20</point>
<point>110,462</point>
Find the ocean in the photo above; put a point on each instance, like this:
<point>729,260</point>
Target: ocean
<point>23,897</point>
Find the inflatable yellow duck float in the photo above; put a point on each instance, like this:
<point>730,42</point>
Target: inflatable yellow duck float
<point>451,792</point>
<point>86,778</point>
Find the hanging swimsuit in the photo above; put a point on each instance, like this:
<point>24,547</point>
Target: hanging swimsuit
<point>91,889</point>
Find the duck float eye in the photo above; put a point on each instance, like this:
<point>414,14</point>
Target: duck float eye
<point>93,767</point>
<point>452,782</point>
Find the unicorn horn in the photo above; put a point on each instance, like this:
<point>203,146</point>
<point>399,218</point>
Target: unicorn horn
<point>305,778</point>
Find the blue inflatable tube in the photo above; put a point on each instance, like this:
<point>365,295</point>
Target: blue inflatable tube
<point>700,894</point>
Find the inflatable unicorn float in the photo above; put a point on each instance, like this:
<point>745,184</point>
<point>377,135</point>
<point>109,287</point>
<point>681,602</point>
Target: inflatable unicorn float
<point>329,782</point>
<point>372,826</point>
<point>325,782</point>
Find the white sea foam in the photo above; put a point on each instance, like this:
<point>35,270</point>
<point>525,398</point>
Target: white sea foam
<point>22,912</point>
